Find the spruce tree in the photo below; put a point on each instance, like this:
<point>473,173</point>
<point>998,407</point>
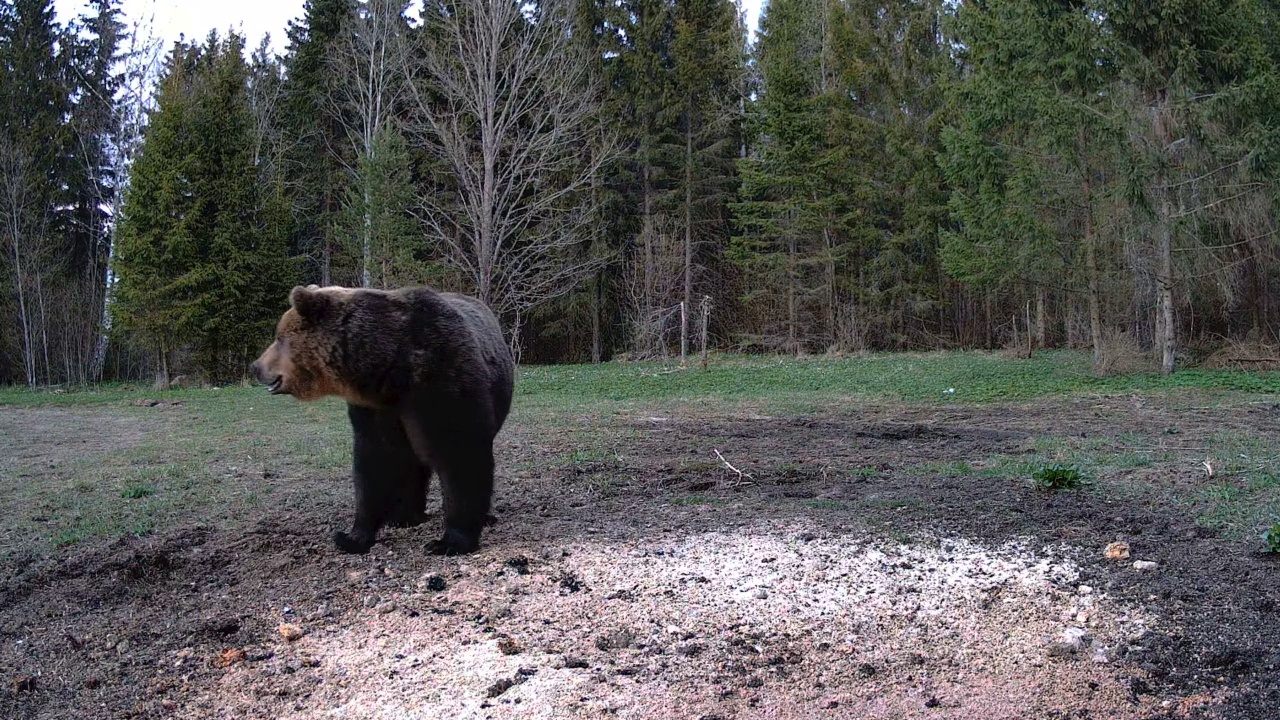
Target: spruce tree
<point>156,245</point>
<point>777,218</point>
<point>34,168</point>
<point>707,55</point>
<point>200,260</point>
<point>320,152</point>
<point>1031,153</point>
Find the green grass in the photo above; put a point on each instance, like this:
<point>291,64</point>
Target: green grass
<point>977,377</point>
<point>789,383</point>
<point>206,458</point>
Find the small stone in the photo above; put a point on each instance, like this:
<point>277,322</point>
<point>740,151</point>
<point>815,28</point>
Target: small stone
<point>1118,550</point>
<point>390,573</point>
<point>507,646</point>
<point>371,602</point>
<point>291,632</point>
<point>1073,640</point>
<point>754,682</point>
<point>689,649</point>
<point>760,594</point>
<point>433,582</point>
<point>356,577</point>
<point>384,607</point>
<point>1085,590</point>
<point>1076,636</point>
<point>616,640</point>
<point>572,662</point>
<point>321,612</point>
<point>1144,565</point>
<point>1100,656</point>
<point>500,687</point>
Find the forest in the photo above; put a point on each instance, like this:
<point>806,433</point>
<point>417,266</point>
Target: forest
<point>638,178</point>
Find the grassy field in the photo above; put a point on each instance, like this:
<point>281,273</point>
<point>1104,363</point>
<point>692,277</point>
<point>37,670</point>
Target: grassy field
<point>202,453</point>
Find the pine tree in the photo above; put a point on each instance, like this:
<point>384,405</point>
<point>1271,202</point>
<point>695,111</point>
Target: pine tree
<point>156,245</point>
<point>377,224</point>
<point>1192,67</point>
<point>651,116</point>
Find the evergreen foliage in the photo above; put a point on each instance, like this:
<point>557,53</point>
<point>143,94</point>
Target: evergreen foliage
<point>909,174</point>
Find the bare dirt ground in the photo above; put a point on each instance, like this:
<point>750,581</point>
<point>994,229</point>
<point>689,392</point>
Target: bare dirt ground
<point>854,570</point>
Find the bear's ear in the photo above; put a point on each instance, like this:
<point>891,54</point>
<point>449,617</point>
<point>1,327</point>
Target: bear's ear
<point>309,302</point>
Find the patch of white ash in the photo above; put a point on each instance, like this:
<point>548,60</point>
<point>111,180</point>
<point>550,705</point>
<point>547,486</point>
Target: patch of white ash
<point>660,627</point>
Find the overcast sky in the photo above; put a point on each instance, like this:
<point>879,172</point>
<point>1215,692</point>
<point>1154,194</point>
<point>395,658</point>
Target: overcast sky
<point>253,18</point>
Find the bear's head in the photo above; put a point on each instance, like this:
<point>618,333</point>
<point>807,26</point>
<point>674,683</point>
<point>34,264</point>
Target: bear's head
<point>297,363</point>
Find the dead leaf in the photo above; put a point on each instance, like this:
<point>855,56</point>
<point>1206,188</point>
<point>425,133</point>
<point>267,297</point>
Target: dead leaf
<point>1118,550</point>
<point>229,657</point>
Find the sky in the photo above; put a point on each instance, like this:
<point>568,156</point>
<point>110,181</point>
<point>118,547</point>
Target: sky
<point>253,18</point>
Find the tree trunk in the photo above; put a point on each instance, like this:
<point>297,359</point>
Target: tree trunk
<point>1095,290</point>
<point>1166,329</point>
<point>44,328</point>
<point>688,235</point>
<point>646,233</point>
<point>706,322</point>
<point>28,344</point>
<point>366,242</point>
<point>1041,321</point>
<point>596,302</point>
<point>162,377</point>
<point>793,343</point>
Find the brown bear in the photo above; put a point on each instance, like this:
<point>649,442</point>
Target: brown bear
<point>428,382</point>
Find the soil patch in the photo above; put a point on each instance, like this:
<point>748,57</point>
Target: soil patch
<point>835,573</point>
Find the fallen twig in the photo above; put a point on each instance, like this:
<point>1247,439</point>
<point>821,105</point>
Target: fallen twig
<point>743,478</point>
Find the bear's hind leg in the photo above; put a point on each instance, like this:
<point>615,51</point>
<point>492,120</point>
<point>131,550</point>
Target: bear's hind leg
<point>409,508</point>
<point>461,450</point>
<point>466,486</point>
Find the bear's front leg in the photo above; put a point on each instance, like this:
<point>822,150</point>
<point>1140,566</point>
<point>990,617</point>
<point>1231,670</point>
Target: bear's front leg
<point>373,468</point>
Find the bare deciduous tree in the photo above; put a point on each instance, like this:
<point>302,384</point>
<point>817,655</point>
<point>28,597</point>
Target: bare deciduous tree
<point>18,211</point>
<point>136,99</point>
<point>367,92</point>
<point>507,109</point>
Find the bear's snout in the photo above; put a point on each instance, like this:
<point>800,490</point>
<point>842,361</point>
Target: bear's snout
<point>273,380</point>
